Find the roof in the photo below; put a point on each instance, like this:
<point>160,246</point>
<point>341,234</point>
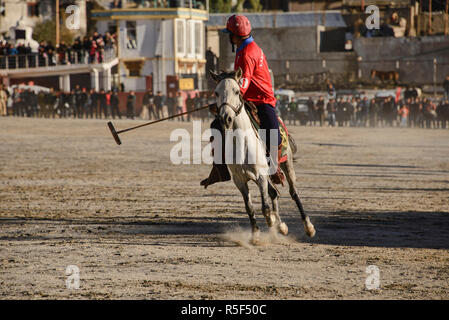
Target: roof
<point>328,18</point>
<point>390,3</point>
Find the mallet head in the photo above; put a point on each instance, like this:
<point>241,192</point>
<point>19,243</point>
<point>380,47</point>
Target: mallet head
<point>114,133</point>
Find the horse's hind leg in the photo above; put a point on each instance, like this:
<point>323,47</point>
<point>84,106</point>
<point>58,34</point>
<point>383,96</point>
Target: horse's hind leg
<point>262,183</point>
<point>243,187</point>
<point>287,167</point>
<point>274,195</point>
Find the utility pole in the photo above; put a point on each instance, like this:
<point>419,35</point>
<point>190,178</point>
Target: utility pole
<point>434,77</point>
<point>446,18</point>
<point>430,17</point>
<point>57,22</point>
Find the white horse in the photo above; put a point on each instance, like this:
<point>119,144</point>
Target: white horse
<point>233,116</point>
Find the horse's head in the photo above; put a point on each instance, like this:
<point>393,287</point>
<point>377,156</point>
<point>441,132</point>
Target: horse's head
<point>228,97</point>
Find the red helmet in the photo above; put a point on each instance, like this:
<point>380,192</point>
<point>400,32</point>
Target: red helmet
<point>238,25</point>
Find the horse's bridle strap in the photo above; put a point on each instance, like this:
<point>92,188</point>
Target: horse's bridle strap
<point>237,110</point>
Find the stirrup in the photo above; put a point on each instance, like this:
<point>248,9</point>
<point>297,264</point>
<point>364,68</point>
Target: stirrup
<point>218,174</point>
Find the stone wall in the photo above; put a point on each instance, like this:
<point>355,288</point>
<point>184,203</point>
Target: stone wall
<point>296,62</point>
<point>412,57</point>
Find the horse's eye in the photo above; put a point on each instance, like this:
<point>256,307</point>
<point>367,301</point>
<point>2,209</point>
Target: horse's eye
<point>216,94</point>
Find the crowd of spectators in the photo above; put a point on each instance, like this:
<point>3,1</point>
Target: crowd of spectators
<point>78,103</point>
<point>153,105</point>
<point>83,103</point>
<point>90,49</point>
<point>119,4</point>
<point>359,111</point>
<point>353,111</point>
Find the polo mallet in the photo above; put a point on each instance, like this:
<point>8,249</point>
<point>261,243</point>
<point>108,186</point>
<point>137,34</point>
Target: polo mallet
<point>116,133</point>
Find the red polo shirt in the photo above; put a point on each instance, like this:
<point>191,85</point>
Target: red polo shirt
<point>255,84</point>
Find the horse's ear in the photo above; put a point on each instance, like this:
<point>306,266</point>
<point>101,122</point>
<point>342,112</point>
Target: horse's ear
<point>238,74</point>
<point>214,76</point>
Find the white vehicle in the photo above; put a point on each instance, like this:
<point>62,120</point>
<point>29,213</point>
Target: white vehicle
<point>289,94</point>
<point>36,89</point>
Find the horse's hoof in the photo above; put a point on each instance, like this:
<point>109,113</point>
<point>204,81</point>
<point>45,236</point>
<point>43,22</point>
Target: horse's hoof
<point>255,239</point>
<point>310,230</point>
<point>283,229</point>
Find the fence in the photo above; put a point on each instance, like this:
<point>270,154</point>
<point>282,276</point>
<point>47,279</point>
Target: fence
<point>9,62</point>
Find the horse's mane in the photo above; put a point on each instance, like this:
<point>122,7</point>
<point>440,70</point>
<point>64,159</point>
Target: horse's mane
<point>217,77</point>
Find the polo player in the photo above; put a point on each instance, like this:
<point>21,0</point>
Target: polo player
<point>255,86</point>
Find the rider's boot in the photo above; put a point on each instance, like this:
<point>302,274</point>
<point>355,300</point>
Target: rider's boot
<point>219,173</point>
<point>278,177</point>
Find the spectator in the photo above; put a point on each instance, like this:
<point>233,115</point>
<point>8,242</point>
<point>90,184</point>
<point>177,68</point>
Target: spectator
<point>159,102</point>
<point>403,113</point>
<point>130,105</point>
<point>311,111</point>
<point>103,103</point>
<point>145,114</point>
<point>292,109</point>
<point>373,111</point>
<point>331,93</point>
<point>179,105</point>
<point>446,87</point>
<point>398,24</point>
<point>331,111</point>
<point>3,100</point>
<point>171,105</point>
<point>115,105</point>
<point>320,108</point>
<point>189,106</point>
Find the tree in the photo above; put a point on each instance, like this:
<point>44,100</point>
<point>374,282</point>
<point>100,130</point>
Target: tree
<point>225,6</point>
<point>221,6</point>
<point>46,31</point>
<point>255,6</point>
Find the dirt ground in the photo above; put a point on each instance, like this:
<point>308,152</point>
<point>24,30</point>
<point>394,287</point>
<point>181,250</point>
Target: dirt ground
<point>139,227</point>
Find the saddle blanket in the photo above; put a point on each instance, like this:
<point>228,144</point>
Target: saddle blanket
<point>282,151</point>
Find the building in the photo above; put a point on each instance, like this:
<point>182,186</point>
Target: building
<point>302,48</point>
<point>29,12</point>
<point>159,48</point>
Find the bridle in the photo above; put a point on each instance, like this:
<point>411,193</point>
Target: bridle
<point>237,109</point>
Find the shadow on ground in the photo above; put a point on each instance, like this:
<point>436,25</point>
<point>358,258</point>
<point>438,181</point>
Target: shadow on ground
<point>372,229</point>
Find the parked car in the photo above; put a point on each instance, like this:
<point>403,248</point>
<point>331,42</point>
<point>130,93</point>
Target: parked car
<point>302,110</point>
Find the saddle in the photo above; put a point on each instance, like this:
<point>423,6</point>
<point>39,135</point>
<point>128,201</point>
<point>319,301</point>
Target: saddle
<point>283,148</point>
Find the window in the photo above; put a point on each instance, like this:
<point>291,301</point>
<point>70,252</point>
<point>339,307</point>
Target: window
<point>134,72</point>
<point>112,27</point>
<point>33,9</point>
<point>134,67</point>
<point>198,38</point>
<point>189,36</point>
<point>20,34</point>
<point>180,36</point>
<point>131,35</point>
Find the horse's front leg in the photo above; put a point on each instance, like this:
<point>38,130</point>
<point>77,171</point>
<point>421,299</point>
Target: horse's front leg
<point>243,187</point>
<point>262,183</point>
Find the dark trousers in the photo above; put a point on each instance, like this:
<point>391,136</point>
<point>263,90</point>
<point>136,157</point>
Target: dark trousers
<point>115,111</point>
<point>268,120</point>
